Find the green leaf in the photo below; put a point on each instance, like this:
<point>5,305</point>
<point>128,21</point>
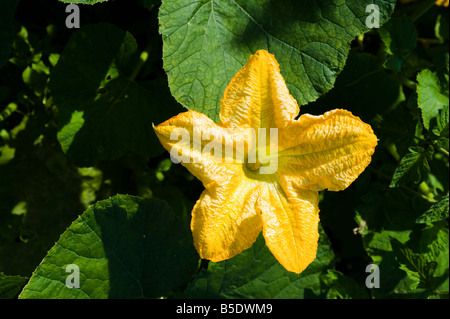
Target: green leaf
<point>431,95</point>
<point>412,166</point>
<point>10,286</point>
<point>394,282</point>
<point>343,287</point>
<point>422,264</point>
<point>206,42</point>
<point>102,112</point>
<point>442,129</point>
<point>425,259</point>
<point>7,9</point>
<point>378,244</point>
<point>36,76</point>
<point>438,211</point>
<point>255,273</point>
<point>414,264</point>
<point>433,245</point>
<point>124,247</point>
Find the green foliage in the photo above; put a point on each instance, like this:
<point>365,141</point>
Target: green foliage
<point>255,273</point>
<point>10,286</point>
<point>437,212</point>
<point>122,249</point>
<point>432,96</point>
<point>84,181</point>
<point>104,104</point>
<point>207,42</point>
<point>412,166</point>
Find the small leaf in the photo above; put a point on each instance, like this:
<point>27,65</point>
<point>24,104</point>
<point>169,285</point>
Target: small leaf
<point>442,129</point>
<point>394,282</point>
<point>438,211</point>
<point>343,287</point>
<point>414,264</point>
<point>124,247</point>
<point>412,166</point>
<point>430,96</point>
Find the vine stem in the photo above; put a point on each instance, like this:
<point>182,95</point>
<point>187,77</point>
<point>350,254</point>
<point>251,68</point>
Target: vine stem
<point>422,9</point>
<point>421,187</point>
<point>443,151</point>
<point>142,59</point>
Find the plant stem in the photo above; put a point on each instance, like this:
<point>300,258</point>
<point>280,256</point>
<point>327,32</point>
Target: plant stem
<point>384,176</point>
<point>142,59</point>
<point>392,149</point>
<point>422,9</point>
<point>443,151</point>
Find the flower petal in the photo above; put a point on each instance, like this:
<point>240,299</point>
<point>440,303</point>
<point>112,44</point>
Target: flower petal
<point>325,152</point>
<point>224,219</point>
<point>226,222</point>
<point>290,225</point>
<point>193,127</point>
<point>257,96</point>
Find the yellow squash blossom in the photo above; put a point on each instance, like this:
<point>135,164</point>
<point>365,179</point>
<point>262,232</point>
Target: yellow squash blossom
<point>240,199</point>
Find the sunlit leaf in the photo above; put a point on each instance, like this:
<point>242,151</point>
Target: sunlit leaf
<point>438,211</point>
<point>431,96</point>
<point>255,273</point>
<point>412,166</point>
<point>124,247</point>
<point>207,42</point>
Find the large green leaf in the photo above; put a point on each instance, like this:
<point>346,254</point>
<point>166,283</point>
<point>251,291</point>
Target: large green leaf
<point>103,113</point>
<point>255,273</point>
<point>124,247</point>
<point>206,42</point>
